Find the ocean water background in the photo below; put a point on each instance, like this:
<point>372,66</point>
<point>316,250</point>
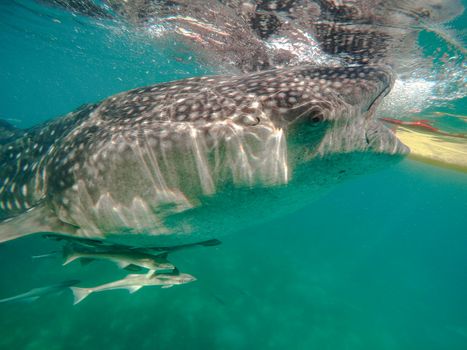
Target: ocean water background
<point>380,262</point>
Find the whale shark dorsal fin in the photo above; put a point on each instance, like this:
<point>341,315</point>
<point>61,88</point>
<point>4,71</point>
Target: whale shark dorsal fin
<point>36,219</point>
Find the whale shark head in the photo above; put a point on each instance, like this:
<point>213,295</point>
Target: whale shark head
<point>328,110</point>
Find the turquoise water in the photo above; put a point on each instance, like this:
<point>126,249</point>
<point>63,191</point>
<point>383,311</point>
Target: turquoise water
<point>380,262</point>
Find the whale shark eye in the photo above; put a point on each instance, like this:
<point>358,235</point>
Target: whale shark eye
<point>316,119</point>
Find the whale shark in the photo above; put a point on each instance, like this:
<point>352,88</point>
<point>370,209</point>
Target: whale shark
<point>184,160</point>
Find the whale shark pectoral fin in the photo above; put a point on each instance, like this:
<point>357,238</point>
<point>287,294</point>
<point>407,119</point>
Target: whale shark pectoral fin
<point>36,219</point>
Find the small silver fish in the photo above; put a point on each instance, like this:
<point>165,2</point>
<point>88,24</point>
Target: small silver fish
<point>133,283</point>
<point>122,257</point>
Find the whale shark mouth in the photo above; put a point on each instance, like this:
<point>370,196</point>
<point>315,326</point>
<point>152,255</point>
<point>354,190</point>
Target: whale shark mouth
<point>363,133</point>
<point>379,138</point>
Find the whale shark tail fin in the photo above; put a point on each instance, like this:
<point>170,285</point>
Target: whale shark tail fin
<point>8,132</point>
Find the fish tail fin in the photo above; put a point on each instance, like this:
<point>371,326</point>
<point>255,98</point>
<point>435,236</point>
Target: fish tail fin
<point>80,294</point>
<point>69,259</point>
<point>69,254</point>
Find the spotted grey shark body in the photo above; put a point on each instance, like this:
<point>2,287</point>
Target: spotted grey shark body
<point>181,159</point>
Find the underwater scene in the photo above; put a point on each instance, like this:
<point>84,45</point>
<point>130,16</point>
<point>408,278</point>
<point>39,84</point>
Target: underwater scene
<point>233,174</point>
